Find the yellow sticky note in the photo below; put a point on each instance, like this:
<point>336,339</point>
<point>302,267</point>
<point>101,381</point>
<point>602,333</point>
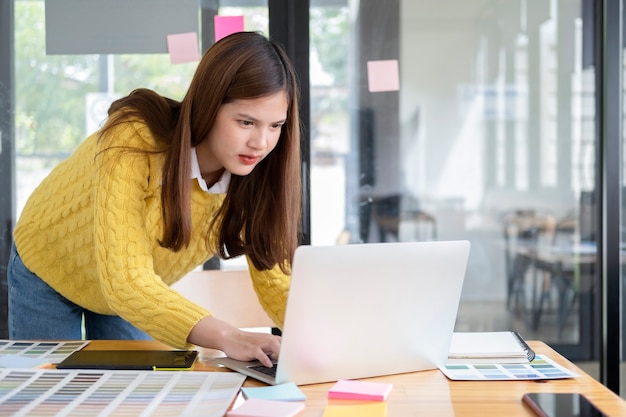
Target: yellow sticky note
<point>373,409</point>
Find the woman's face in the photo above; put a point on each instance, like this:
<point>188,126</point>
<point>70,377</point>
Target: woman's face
<point>245,132</point>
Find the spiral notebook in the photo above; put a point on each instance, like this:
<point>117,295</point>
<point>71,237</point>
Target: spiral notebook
<point>489,347</point>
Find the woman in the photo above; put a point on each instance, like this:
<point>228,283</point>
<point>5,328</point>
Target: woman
<point>161,188</point>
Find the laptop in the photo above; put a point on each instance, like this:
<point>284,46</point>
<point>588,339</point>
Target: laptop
<point>364,310</point>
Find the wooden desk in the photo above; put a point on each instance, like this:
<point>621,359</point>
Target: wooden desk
<point>430,393</point>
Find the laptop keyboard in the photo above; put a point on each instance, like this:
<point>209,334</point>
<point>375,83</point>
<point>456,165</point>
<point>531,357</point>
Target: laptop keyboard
<point>264,369</point>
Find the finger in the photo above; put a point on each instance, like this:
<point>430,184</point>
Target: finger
<point>275,345</point>
<point>264,358</point>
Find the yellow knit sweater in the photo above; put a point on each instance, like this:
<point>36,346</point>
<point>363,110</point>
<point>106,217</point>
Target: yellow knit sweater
<point>91,230</point>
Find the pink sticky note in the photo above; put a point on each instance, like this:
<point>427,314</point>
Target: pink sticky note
<point>225,25</point>
<point>383,75</point>
<point>359,390</point>
<point>256,407</point>
<point>183,47</point>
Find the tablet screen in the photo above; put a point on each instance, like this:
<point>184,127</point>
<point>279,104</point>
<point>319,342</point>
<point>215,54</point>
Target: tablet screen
<point>130,359</point>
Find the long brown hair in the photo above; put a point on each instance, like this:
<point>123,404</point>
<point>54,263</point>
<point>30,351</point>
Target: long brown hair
<point>260,216</point>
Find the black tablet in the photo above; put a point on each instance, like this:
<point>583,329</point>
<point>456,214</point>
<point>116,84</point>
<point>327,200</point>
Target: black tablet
<point>154,360</point>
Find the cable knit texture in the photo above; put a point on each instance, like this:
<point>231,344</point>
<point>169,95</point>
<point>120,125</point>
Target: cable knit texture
<point>91,230</point>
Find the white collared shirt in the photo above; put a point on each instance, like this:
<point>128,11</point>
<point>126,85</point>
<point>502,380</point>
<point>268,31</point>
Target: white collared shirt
<point>220,187</point>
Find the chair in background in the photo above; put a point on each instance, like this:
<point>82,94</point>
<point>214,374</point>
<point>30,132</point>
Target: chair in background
<point>567,265</point>
<point>228,294</point>
<point>389,217</point>
<point>422,226</point>
<point>386,216</point>
<point>524,231</point>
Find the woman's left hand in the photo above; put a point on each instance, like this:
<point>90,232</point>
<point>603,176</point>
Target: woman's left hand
<point>238,344</point>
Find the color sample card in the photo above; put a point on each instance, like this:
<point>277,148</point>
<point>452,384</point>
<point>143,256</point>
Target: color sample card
<point>540,368</point>
<point>51,352</point>
<point>124,393</point>
<point>19,361</point>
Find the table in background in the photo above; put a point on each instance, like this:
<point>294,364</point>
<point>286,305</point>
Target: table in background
<point>430,393</point>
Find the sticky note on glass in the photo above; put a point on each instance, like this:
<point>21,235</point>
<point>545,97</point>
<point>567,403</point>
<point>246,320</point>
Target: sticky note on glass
<point>377,409</point>
<point>281,392</point>
<point>359,390</point>
<point>383,75</point>
<point>256,407</point>
<point>183,47</point>
<point>226,25</point>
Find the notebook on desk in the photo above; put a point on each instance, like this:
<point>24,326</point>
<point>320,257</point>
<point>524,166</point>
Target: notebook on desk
<point>364,310</point>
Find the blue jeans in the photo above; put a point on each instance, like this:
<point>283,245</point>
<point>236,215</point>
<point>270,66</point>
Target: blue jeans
<point>37,311</point>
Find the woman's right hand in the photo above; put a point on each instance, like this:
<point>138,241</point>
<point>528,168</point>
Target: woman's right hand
<point>214,333</point>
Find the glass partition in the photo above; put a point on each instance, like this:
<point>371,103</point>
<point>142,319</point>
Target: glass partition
<point>488,136</point>
<point>60,99</point>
